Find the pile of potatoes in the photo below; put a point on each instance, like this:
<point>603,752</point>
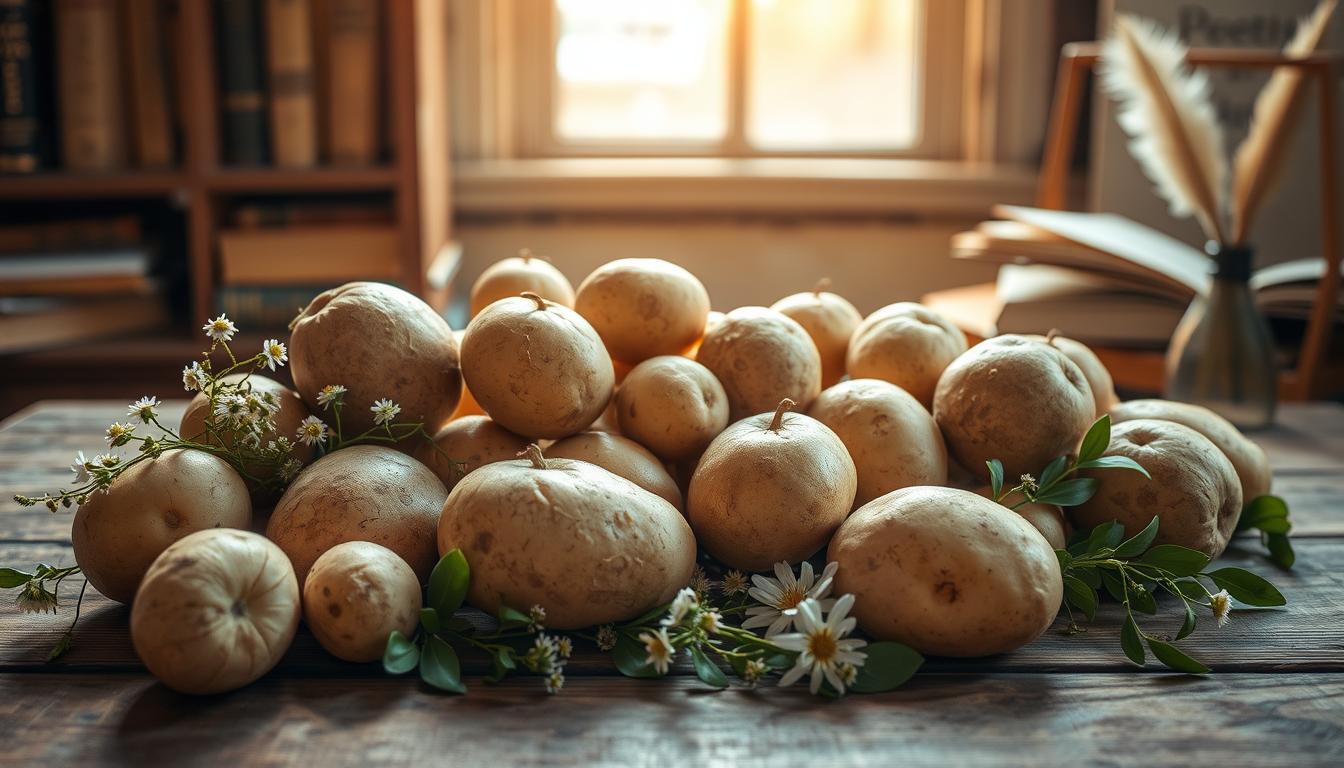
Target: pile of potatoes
<point>588,443</point>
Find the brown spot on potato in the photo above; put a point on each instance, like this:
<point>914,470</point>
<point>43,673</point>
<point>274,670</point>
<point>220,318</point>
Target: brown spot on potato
<point>484,540</point>
<point>334,610</point>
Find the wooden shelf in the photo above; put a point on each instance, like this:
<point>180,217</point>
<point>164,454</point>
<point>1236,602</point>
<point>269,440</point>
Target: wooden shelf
<point>329,179</point>
<point>57,185</point>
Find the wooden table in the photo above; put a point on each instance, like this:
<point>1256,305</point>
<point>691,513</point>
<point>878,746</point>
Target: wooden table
<point>1276,698</point>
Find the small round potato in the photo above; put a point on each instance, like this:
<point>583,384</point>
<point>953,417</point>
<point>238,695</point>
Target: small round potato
<point>118,534</point>
<point>1098,378</point>
<point>620,456</point>
<point>1193,492</point>
<point>1010,398</point>
<point>355,595</point>
<point>287,420</point>
<point>360,493</point>
<point>830,320</point>
<point>586,545</point>
<point>891,437</point>
<point>466,405</point>
<point>643,308</point>
<point>761,357</point>
<point>907,344</point>
<point>536,367</point>
<point>1247,458</point>
<point>770,488</point>
<point>947,572</point>
<point>673,406</point>
<point>1046,518</point>
<point>472,442</point>
<point>216,611</point>
<point>524,273</point>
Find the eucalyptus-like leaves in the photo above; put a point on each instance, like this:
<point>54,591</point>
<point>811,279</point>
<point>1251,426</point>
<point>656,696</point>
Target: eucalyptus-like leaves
<point>1057,484</point>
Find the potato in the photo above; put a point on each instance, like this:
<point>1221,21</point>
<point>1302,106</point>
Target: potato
<point>622,457</point>
<point>643,308</point>
<point>1014,399</point>
<point>608,421</point>
<point>761,357</point>
<point>216,611</point>
<point>1098,378</point>
<point>287,420</point>
<point>830,320</point>
<point>1047,519</point>
<point>466,405</point>
<point>712,320</point>
<point>537,368</point>
<point>377,341</point>
<point>1249,459</point>
<point>473,441</point>
<point>947,572</point>
<point>118,534</point>
<point>891,438</point>
<point>1194,490</point>
<point>360,493</point>
<point>770,488</point>
<point>907,344</point>
<point>355,595</point>
<point>524,273</point>
<point>673,406</point>
<point>588,546</point>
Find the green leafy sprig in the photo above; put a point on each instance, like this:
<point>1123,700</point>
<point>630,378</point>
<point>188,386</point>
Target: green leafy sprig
<point>1055,485</point>
<point>1269,515</point>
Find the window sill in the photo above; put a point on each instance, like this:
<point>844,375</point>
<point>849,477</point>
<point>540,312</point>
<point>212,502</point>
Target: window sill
<point>827,186</point>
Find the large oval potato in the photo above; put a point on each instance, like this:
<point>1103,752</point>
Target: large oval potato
<point>673,406</point>
<point>907,344</point>
<point>947,572</point>
<point>1193,492</point>
<point>471,442</point>
<point>360,493</point>
<point>524,273</point>
<point>537,368</point>
<point>118,534</point>
<point>761,357</point>
<point>586,545</point>
<point>830,320</point>
<point>622,457</point>
<point>1048,519</point>
<point>892,439</point>
<point>1098,378</point>
<point>377,341</point>
<point>643,308</point>
<point>287,419</point>
<point>356,594</point>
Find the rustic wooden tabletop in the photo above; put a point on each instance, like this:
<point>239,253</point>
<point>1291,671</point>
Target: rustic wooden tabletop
<point>1276,696</point>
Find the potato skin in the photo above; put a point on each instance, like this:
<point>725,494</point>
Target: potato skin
<point>512,276</point>
<point>1010,398</point>
<point>620,456</point>
<point>472,440</point>
<point>760,496</point>
<point>379,342</point>
<point>118,534</point>
<point>1098,378</point>
<point>761,357</point>
<point>830,320</point>
<point>360,493</point>
<point>907,344</point>
<point>1194,490</point>
<point>643,308</point>
<point>355,595</point>
<point>1248,459</point>
<point>588,546</point>
<point>947,572</point>
<point>1047,519</point>
<point>538,372</point>
<point>673,406</point>
<point>892,439</point>
<point>216,611</point>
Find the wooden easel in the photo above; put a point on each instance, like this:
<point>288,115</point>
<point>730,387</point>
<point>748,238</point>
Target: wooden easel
<point>1146,368</point>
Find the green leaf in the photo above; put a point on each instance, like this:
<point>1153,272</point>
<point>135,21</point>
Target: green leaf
<point>1105,536</point>
<point>1052,471</point>
<point>1114,462</point>
<point>1097,439</point>
<point>511,618</point>
<point>1131,641</point>
<point>1115,586</point>
<point>995,477</point>
<point>439,666</point>
<point>1064,558</point>
<point>1246,587</point>
<point>1191,589</point>
<point>1142,600</point>
<point>429,619</point>
<point>1177,660</point>
<point>401,655</point>
<point>10,578</point>
<point>1089,576</point>
<point>1260,509</point>
<point>1080,596</point>
<point>1138,543</point>
<point>1175,559</point>
<point>1275,525</point>
<point>705,669</point>
<point>631,658</point>
<point>1070,493</point>
<point>1188,625</point>
<point>502,663</point>
<point>1280,550</point>
<point>888,666</point>
<point>448,583</point>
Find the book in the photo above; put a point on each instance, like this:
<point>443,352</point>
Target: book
<point>285,214</point>
<point>266,307</point>
<point>70,234</point>
<point>147,92</point>
<point>241,83</point>
<point>42,323</point>
<point>309,255</point>
<point>351,89</point>
<point>89,85</point>
<point>293,98</point>
<point>20,123</point>
<point>126,262</point>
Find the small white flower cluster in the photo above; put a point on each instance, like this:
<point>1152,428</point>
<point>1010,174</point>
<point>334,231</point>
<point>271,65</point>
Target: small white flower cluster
<point>824,651</point>
<point>548,656</point>
<point>1221,605</point>
<point>780,597</point>
<point>685,613</point>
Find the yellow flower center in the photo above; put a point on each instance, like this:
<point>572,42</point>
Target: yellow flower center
<point>792,597</point>
<point>822,646</point>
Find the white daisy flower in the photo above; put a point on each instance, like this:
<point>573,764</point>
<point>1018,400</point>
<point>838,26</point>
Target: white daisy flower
<point>33,598</point>
<point>233,409</point>
<point>555,681</point>
<point>274,353</point>
<point>564,646</point>
<point>537,617</point>
<point>329,394</point>
<point>384,411</point>
<point>81,471</point>
<point>143,409</point>
<point>1221,605</point>
<point>780,596</point>
<point>118,431</point>
<point>659,648</point>
<point>220,329</point>
<point>312,431</point>
<point>683,602</point>
<point>711,622</point>
<point>822,647</point>
<point>194,377</point>
<point>106,460</point>
<point>754,670</point>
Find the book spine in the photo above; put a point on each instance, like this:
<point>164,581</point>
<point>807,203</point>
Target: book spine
<point>279,215</point>
<point>89,85</point>
<point>20,127</point>
<point>293,97</point>
<point>70,235</point>
<point>352,81</point>
<point>242,94</point>
<point>145,63</point>
<point>265,307</point>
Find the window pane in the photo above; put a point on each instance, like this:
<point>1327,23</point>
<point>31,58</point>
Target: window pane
<point>833,75</point>
<point>641,69</point>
